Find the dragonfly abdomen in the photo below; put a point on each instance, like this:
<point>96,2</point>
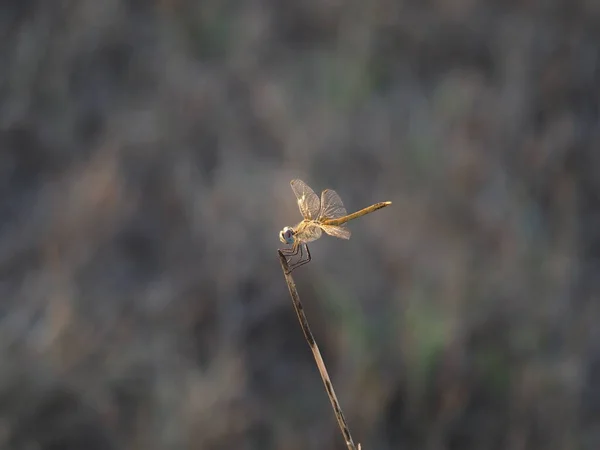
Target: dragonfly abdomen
<point>362,212</point>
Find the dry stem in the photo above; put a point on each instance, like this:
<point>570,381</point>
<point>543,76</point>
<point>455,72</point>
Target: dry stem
<point>339,415</point>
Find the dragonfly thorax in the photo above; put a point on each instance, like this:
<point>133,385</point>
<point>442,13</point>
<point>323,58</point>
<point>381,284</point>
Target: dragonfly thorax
<point>287,235</point>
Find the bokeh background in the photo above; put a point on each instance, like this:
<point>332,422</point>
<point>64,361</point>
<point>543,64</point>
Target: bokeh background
<point>146,149</point>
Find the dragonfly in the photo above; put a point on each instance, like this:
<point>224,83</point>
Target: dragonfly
<point>326,214</point>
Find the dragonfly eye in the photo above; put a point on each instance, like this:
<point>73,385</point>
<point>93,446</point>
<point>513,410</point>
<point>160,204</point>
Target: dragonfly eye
<point>287,235</point>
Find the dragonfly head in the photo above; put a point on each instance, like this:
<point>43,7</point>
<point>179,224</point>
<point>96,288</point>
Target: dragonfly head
<point>287,236</point>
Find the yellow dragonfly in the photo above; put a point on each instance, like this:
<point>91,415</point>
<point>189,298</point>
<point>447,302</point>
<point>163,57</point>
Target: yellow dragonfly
<point>327,214</point>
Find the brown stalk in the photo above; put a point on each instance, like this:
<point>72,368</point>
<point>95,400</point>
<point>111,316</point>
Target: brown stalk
<point>339,415</point>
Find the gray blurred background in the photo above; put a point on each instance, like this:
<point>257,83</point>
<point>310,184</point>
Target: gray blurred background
<point>146,149</point>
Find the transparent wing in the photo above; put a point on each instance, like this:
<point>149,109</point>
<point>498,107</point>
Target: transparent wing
<point>308,201</point>
<point>338,232</point>
<point>309,234</point>
<point>332,206</point>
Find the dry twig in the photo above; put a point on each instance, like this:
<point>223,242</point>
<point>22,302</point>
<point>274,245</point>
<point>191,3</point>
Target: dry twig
<point>339,415</point>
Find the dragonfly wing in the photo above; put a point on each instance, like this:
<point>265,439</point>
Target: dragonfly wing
<point>336,231</point>
<point>308,201</point>
<point>332,206</point>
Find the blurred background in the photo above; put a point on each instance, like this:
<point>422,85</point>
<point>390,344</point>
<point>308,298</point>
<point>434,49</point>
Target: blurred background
<point>146,149</point>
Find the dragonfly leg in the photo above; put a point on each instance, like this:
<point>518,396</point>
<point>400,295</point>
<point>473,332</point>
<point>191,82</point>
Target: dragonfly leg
<point>290,252</point>
<point>301,261</point>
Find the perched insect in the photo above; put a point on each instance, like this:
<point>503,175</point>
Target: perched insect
<point>327,214</point>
